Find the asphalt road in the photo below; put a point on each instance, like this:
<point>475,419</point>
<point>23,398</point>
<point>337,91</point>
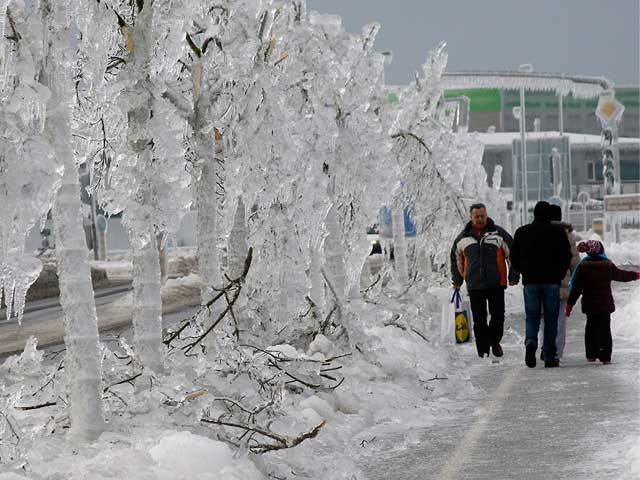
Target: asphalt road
<point>44,318</point>
<point>579,421</point>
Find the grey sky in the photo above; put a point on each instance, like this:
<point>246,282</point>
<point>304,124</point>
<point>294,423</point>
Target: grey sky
<point>587,37</point>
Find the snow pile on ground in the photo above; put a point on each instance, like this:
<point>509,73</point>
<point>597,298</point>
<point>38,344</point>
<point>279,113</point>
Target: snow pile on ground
<point>624,254</point>
<point>625,321</point>
<point>182,454</point>
<point>400,377</point>
<point>147,455</point>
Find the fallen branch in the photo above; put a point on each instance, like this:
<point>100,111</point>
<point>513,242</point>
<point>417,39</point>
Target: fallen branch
<point>401,326</point>
<point>437,378</point>
<point>282,441</point>
<point>293,377</point>
<point>34,407</point>
<point>331,359</point>
<point>126,380</point>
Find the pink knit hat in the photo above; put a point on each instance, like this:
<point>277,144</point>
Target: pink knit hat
<point>591,247</point>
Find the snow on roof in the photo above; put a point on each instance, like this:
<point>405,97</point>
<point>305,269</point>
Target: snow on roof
<point>507,138</point>
<point>562,84</point>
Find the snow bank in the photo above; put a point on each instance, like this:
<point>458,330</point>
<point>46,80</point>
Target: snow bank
<point>625,321</point>
<point>625,253</point>
<point>185,455</point>
<point>143,455</point>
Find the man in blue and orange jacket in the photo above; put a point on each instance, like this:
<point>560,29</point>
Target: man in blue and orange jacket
<point>480,257</point>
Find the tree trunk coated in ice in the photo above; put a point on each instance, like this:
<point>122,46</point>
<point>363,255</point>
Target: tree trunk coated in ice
<point>333,254</point>
<point>206,231</point>
<point>162,258</point>
<point>82,361</point>
<point>399,246</point>
<point>237,247</point>
<point>147,306</point>
<point>82,365</point>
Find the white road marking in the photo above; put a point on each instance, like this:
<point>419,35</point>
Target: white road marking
<point>451,470</point>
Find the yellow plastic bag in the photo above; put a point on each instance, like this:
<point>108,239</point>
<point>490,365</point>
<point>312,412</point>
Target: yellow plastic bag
<point>462,324</point>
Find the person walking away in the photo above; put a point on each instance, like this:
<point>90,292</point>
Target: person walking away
<point>542,254</point>
<point>592,279</point>
<point>480,257</point>
<point>555,216</point>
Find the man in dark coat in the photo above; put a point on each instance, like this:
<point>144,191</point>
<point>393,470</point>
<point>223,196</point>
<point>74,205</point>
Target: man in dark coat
<point>542,254</point>
<point>480,256</point>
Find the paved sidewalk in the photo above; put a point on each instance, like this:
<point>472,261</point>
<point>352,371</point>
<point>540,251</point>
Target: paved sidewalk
<point>577,422</point>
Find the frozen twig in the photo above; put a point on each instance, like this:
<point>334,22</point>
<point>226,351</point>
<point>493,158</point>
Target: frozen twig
<point>35,407</point>
<point>282,441</point>
<point>126,380</point>
<point>233,286</point>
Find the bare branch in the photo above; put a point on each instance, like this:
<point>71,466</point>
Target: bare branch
<point>193,46</point>
<point>414,136</point>
<point>282,441</point>
<point>16,36</point>
<point>126,380</point>
<point>34,407</point>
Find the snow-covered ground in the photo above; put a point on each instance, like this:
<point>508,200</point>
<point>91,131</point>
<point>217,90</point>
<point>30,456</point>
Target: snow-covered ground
<point>409,375</point>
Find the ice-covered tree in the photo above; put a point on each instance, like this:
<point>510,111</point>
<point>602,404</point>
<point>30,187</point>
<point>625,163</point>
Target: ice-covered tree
<point>39,75</point>
<point>76,290</point>
<point>29,174</point>
<point>430,158</point>
<point>147,179</point>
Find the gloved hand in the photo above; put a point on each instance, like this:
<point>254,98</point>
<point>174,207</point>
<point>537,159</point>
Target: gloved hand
<point>567,310</point>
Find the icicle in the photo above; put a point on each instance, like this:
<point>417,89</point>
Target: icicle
<point>3,64</point>
<point>496,180</point>
<point>399,246</point>
<point>282,313</point>
<point>17,274</point>
<point>316,292</point>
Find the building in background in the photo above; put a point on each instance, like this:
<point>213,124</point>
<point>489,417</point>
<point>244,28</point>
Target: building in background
<point>585,158</point>
<point>494,108</point>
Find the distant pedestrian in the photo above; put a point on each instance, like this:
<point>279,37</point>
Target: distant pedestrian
<point>480,257</point>
<point>555,216</point>
<point>542,254</point>
<point>592,279</point>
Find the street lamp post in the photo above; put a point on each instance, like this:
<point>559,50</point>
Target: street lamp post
<point>525,68</point>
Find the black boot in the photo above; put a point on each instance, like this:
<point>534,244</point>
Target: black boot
<point>530,356</point>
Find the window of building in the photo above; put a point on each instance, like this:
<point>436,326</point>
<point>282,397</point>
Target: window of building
<point>597,167</point>
<point>629,170</point>
<point>591,174</point>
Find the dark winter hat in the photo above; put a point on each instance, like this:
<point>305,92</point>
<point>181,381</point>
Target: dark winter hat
<point>591,247</point>
<point>555,212</point>
<point>541,210</point>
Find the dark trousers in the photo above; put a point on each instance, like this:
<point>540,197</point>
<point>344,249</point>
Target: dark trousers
<point>491,333</point>
<point>597,336</point>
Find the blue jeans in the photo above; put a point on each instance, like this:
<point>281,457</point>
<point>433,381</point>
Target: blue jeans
<point>536,296</point>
